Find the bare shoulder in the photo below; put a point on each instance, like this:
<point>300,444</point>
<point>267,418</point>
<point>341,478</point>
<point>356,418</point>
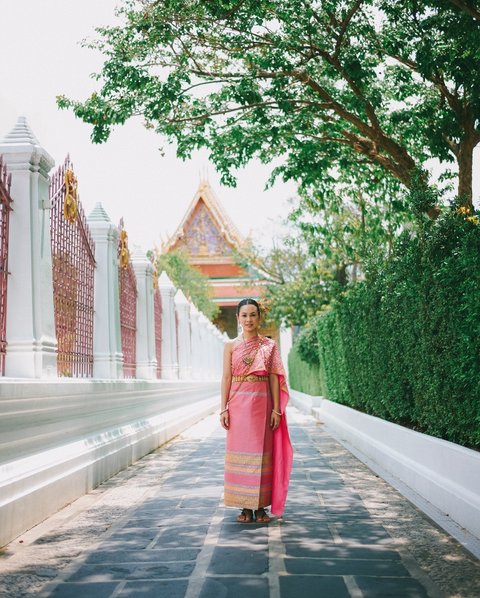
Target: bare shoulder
<point>230,345</point>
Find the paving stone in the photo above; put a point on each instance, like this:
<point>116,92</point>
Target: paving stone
<point>154,589</point>
<point>305,531</point>
<point>143,556</point>
<point>313,586</point>
<point>391,588</point>
<point>163,571</point>
<point>235,587</point>
<point>238,561</point>
<point>81,590</point>
<point>363,533</point>
<point>378,568</point>
<point>338,551</point>
<point>252,534</point>
<point>180,537</point>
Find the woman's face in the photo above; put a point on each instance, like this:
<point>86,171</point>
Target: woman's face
<point>249,318</point>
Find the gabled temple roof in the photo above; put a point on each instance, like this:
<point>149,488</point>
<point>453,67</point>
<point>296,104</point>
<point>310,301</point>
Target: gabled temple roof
<point>219,218</point>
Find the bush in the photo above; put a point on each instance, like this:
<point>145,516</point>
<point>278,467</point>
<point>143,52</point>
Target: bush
<point>404,344</point>
<point>303,376</point>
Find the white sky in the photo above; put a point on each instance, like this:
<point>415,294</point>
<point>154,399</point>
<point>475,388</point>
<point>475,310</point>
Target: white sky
<point>41,57</point>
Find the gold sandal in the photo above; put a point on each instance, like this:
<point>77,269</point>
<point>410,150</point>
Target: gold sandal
<point>261,516</point>
<point>246,516</point>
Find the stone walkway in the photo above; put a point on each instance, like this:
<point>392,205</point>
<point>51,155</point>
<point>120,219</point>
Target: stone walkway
<point>159,530</point>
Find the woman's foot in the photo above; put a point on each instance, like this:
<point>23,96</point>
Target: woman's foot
<point>261,516</point>
<point>246,516</point>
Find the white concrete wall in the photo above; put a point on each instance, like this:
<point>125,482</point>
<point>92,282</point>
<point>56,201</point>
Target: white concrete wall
<point>445,474</point>
<point>60,439</point>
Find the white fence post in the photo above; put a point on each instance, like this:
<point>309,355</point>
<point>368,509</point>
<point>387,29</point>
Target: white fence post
<point>169,332</point>
<point>196,345</point>
<point>184,337</point>
<point>32,344</point>
<point>107,341</point>
<point>146,360</point>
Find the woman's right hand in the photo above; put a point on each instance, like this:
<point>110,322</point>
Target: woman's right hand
<point>224,420</point>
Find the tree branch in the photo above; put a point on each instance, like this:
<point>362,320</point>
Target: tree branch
<point>464,7</point>
<point>355,7</point>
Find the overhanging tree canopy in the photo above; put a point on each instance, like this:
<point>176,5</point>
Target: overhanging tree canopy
<point>320,83</point>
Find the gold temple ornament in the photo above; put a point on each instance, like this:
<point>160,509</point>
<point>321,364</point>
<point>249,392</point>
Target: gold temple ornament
<point>123,255</point>
<point>70,204</point>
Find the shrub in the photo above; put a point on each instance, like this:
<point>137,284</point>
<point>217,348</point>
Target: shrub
<point>303,376</point>
<point>404,344</point>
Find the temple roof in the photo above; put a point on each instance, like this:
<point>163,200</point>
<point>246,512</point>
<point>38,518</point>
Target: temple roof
<point>206,229</point>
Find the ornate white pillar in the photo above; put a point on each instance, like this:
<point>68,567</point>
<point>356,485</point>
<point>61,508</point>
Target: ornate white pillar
<point>212,352</point>
<point>107,340</point>
<point>32,344</point>
<point>146,359</point>
<point>196,346</point>
<point>169,333</point>
<point>220,348</point>
<point>182,309</point>
<point>205,353</point>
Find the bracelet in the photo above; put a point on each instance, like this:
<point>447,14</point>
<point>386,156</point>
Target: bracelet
<point>226,409</point>
<point>276,412</point>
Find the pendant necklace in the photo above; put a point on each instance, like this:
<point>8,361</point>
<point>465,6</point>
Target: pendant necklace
<point>247,359</point>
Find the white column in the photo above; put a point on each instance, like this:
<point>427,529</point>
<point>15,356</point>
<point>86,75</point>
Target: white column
<point>32,345</point>
<point>212,350</point>
<point>146,359</point>
<point>169,334</point>
<point>286,342</point>
<point>196,346</point>
<point>205,352</point>
<point>107,340</point>
<point>182,309</point>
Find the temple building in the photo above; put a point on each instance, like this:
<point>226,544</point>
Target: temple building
<point>211,240</point>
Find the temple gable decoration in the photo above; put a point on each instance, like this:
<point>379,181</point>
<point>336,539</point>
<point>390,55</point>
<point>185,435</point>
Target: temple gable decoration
<point>206,231</point>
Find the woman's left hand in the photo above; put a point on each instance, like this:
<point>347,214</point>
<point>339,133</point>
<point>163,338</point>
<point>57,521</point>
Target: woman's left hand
<point>275,420</point>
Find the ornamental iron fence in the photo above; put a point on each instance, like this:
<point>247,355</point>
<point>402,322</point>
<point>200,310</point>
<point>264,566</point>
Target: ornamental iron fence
<point>73,266</point>
<point>128,305</point>
<point>5,209</point>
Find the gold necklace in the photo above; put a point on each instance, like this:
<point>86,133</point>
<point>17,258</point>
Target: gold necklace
<point>248,359</point>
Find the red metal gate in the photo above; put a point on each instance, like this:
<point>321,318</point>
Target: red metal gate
<point>5,208</point>
<point>128,305</point>
<point>157,307</point>
<point>73,260</point>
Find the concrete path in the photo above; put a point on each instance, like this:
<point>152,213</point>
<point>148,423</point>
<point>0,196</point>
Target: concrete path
<point>160,530</point>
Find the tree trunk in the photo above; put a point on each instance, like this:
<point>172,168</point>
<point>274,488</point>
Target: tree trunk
<point>465,169</point>
<point>341,275</point>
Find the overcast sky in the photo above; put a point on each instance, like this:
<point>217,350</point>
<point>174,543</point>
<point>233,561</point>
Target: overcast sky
<point>41,57</point>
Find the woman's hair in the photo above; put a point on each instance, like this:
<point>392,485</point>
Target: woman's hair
<point>248,302</point>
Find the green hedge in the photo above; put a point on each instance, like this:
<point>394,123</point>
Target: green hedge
<point>404,344</point>
<point>303,376</point>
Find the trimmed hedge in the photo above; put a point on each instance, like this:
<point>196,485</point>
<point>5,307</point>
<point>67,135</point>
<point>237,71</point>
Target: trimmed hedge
<point>404,345</point>
<point>304,376</point>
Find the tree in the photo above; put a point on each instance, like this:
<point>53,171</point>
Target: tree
<point>297,284</point>
<point>192,282</point>
<point>343,221</point>
<point>344,82</point>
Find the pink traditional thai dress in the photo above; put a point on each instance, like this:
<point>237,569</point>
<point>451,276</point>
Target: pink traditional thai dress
<point>258,461</point>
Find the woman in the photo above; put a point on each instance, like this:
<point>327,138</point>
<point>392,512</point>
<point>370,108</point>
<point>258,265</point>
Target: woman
<point>258,458</point>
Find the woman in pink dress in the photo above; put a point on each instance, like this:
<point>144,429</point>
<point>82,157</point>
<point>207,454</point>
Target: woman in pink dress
<point>258,458</point>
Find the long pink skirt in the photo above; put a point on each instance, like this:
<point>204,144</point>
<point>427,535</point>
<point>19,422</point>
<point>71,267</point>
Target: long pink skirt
<point>249,450</point>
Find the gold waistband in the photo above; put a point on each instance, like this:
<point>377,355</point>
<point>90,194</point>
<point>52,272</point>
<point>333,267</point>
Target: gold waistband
<point>249,378</point>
